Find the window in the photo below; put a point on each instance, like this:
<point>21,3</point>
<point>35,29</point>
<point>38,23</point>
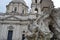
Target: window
<point>15,9</point>
<point>10,33</point>
<point>23,11</point>
<point>23,35</point>
<point>35,1</point>
<point>7,8</point>
<point>36,10</point>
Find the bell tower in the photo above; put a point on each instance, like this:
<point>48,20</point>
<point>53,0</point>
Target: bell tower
<point>46,5</point>
<point>35,6</point>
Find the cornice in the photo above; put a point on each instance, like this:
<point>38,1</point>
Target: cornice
<point>15,22</point>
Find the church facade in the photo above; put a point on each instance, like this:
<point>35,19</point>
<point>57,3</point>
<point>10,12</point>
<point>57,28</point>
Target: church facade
<point>41,23</point>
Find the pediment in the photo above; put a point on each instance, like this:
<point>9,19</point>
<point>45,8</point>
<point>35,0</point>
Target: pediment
<point>11,18</point>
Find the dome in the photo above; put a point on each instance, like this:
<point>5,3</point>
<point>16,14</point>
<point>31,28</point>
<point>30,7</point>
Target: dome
<point>22,1</point>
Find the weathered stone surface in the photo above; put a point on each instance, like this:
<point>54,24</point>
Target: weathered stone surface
<point>42,23</point>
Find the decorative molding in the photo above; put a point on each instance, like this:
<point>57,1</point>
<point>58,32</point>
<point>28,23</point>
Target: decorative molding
<point>10,27</point>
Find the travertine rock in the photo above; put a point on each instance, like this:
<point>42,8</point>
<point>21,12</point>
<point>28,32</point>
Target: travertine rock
<point>41,23</point>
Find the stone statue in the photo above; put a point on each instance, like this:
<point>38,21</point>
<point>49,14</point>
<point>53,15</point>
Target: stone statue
<point>39,31</point>
<point>35,35</point>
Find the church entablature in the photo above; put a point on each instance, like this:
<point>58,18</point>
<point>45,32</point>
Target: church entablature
<point>15,17</point>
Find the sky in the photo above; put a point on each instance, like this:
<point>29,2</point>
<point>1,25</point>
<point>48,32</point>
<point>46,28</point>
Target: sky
<point>3,4</point>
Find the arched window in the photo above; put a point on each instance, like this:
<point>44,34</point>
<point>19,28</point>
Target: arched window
<point>15,9</point>
<point>36,10</point>
<point>35,1</point>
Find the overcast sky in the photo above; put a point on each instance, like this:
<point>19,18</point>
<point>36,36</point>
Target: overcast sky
<point>3,4</point>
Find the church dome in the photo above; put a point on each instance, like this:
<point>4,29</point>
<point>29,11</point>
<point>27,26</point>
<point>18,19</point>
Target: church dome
<point>21,1</point>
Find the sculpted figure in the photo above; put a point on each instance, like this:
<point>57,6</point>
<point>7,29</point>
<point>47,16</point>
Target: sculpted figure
<point>35,35</point>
